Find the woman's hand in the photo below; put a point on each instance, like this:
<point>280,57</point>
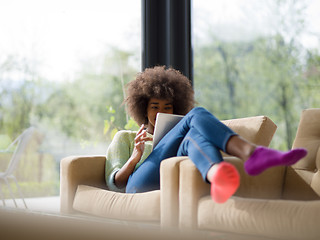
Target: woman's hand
<point>139,144</point>
<point>122,176</point>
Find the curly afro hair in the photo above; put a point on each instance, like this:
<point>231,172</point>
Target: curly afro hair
<point>162,83</point>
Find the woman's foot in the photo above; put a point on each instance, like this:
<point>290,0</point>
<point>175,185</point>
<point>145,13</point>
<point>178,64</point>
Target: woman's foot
<point>225,181</point>
<point>263,158</point>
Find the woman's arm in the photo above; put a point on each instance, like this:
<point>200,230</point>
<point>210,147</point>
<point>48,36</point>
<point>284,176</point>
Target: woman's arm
<point>122,176</point>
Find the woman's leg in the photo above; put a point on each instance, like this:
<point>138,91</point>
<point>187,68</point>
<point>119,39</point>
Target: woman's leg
<point>147,176</point>
<point>223,176</point>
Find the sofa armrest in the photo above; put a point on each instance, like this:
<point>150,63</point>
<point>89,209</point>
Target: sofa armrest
<point>192,188</point>
<point>169,185</point>
<point>77,170</point>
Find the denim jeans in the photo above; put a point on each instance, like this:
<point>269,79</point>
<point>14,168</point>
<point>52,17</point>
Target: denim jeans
<point>199,135</point>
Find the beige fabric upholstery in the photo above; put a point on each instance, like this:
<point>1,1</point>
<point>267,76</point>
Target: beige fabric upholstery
<point>280,203</point>
<point>104,203</point>
<point>258,129</point>
<point>83,189</point>
<point>276,219</point>
<point>303,179</point>
<point>169,184</point>
<point>78,170</point>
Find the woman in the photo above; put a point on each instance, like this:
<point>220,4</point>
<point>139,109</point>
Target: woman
<point>133,166</point>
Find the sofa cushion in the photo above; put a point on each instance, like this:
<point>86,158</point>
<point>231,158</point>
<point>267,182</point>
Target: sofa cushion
<point>104,203</point>
<point>282,219</point>
<point>257,129</point>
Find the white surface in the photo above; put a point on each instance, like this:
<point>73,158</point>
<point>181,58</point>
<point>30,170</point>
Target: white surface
<point>42,204</point>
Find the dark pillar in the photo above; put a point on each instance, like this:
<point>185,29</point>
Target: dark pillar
<point>166,35</point>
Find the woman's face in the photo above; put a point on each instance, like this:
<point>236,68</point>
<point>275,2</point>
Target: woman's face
<point>155,106</point>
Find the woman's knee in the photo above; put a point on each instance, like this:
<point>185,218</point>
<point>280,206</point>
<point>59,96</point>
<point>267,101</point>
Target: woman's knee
<point>198,110</point>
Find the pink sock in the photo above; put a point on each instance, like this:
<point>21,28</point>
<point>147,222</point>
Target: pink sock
<point>263,158</point>
<point>224,182</point>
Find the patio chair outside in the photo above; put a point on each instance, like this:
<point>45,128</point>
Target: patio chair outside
<point>21,144</point>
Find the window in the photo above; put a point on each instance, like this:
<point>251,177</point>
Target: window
<point>63,66</point>
<point>258,58</point>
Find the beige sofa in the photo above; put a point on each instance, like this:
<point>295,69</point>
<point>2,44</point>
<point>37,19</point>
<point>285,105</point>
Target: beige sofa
<point>83,188</point>
<point>281,203</point>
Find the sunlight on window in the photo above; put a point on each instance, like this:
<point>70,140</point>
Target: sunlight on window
<point>63,66</point>
<point>258,58</point>
<point>57,35</point>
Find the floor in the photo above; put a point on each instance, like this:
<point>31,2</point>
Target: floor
<point>42,204</point>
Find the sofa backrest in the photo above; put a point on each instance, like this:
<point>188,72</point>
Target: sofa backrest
<point>302,180</point>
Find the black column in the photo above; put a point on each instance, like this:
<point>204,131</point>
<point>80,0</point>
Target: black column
<point>166,35</point>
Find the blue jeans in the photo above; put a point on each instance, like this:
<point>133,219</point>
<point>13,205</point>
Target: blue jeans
<point>199,135</point>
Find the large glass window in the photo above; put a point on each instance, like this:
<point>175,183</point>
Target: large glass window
<point>63,65</point>
<point>258,58</point>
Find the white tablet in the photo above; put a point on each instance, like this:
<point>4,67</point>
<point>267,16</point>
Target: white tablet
<point>164,123</point>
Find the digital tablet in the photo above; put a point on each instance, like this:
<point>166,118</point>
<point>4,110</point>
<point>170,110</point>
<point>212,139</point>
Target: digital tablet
<point>164,123</point>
